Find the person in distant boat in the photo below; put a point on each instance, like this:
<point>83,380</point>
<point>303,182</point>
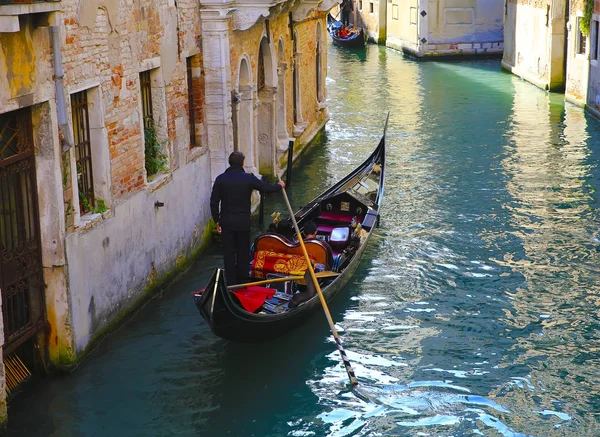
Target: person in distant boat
<point>346,8</point>
<point>230,209</point>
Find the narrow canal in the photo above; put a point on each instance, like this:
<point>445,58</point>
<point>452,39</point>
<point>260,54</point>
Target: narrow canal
<point>475,310</point>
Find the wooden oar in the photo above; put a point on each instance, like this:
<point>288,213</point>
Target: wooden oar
<point>338,341</point>
<point>284,279</point>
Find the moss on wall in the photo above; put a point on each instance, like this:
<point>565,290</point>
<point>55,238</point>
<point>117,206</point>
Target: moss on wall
<point>154,288</point>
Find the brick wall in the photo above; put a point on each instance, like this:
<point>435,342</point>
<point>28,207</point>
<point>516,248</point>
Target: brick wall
<point>107,48</point>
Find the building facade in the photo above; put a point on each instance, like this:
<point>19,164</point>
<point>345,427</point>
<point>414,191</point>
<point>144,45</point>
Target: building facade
<point>555,46</point>
<point>426,29</point>
<point>115,118</point>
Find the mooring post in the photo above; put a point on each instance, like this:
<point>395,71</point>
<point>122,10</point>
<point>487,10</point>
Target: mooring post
<point>288,175</point>
<point>261,209</point>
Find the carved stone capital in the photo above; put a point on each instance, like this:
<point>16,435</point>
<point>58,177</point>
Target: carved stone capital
<point>306,7</point>
<point>247,16</point>
<point>326,5</point>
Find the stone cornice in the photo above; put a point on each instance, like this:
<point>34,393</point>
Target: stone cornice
<point>303,8</point>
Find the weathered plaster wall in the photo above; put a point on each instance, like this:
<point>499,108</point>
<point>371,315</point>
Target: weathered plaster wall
<point>534,41</point>
<point>402,24</point>
<point>112,263</point>
<point>26,68</point>
<point>446,27</point>
<point>466,21</point>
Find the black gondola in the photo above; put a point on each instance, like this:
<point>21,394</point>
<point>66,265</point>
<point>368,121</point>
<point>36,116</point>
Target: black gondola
<point>346,216</point>
<point>357,37</point>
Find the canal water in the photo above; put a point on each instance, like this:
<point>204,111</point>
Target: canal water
<point>475,310</point>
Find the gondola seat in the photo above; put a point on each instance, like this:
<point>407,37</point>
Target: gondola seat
<point>275,254</point>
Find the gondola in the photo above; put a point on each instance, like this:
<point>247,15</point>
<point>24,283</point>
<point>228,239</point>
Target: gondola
<point>356,39</point>
<point>346,216</point>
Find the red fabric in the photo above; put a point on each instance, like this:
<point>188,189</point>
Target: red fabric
<point>284,263</point>
<point>253,297</point>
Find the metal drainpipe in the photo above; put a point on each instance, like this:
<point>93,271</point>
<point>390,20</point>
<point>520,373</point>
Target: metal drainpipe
<point>60,90</point>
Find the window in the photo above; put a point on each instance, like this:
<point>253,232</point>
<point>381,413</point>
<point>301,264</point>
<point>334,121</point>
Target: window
<point>155,159</point>
<point>83,153</point>
<point>146,92</point>
<point>394,12</point>
<point>371,7</point>
<point>191,102</point>
<point>594,40</point>
<point>581,39</point>
<point>360,5</point>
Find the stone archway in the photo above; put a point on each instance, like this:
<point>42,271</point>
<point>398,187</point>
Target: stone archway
<point>282,66</point>
<point>266,132</point>
<point>243,115</point>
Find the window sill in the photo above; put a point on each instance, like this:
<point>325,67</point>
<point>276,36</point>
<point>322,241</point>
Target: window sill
<point>159,180</point>
<point>91,219</point>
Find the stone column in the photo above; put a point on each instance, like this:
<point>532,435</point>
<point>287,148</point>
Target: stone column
<point>217,79</point>
<point>267,130</point>
<point>283,137</point>
<point>299,123</point>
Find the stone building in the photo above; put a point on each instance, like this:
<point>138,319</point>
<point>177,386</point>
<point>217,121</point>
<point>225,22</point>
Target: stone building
<point>115,118</point>
<point>555,46</point>
<point>432,29</point>
<point>535,39</point>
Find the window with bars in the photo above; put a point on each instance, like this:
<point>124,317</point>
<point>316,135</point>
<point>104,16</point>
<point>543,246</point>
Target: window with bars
<point>192,102</point>
<point>83,152</point>
<point>146,94</point>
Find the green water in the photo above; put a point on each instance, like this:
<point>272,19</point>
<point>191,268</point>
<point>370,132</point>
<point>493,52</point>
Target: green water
<point>475,309</point>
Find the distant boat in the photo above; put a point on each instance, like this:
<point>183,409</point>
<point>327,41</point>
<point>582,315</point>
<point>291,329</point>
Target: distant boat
<point>356,37</point>
<point>346,216</point>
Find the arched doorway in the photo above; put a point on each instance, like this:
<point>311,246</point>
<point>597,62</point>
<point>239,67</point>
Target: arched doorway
<point>266,117</point>
<point>243,115</point>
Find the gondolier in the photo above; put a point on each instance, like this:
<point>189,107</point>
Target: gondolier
<point>230,203</point>
<point>346,8</point>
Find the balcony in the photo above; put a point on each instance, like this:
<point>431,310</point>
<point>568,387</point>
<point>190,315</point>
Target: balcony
<point>11,9</point>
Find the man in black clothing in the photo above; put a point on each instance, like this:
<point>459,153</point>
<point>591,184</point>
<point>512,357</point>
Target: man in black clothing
<point>230,208</point>
<point>346,8</point>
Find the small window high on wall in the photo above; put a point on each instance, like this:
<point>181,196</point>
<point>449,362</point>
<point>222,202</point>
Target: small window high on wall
<point>83,152</point>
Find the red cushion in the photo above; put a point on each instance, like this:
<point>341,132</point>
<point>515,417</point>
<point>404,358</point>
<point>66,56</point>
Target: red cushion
<point>273,262</point>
